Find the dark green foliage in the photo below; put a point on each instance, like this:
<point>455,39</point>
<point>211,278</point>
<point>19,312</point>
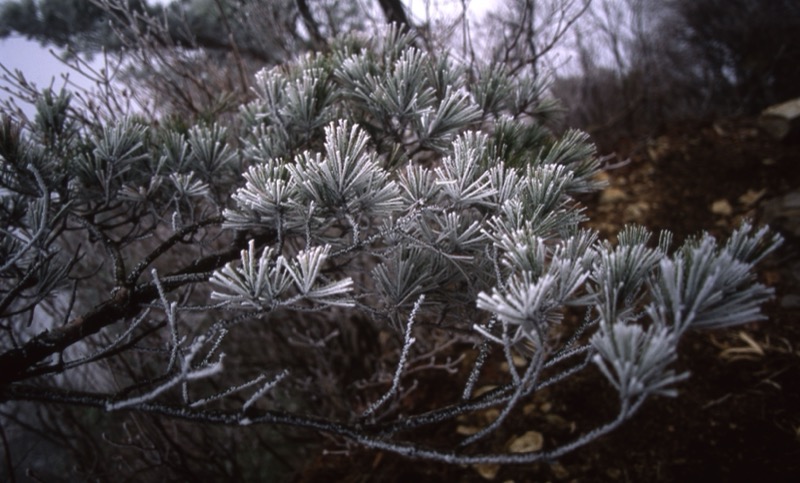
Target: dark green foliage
<point>748,48</point>
<point>79,24</point>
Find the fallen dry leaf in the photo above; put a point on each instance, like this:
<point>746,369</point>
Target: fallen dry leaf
<point>751,197</point>
<point>530,441</point>
<point>465,430</point>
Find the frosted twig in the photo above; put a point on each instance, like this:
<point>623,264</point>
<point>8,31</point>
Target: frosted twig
<point>411,450</point>
<point>407,343</point>
<point>567,354</point>
<point>307,224</point>
<point>483,353</point>
<point>186,374</point>
<point>497,272</point>
<point>566,373</point>
<point>353,223</point>
<point>227,392</point>
<point>527,384</point>
<point>588,321</point>
<point>607,166</point>
<point>169,310</point>
<point>304,340</point>
<point>264,389</point>
<point>450,366</point>
<point>396,229</point>
<point>177,225</point>
<point>430,355</point>
<point>509,357</point>
<point>221,335</point>
<point>626,411</point>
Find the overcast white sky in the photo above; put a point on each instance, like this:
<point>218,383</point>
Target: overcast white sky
<point>28,56</point>
<point>32,59</point>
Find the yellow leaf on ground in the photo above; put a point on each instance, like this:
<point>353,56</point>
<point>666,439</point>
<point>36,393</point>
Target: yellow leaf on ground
<point>530,441</point>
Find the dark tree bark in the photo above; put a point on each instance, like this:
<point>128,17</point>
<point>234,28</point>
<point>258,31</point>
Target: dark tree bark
<point>395,12</point>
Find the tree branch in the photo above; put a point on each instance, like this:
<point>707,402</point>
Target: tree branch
<point>15,363</point>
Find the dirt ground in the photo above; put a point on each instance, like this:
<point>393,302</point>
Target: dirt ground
<point>738,417</point>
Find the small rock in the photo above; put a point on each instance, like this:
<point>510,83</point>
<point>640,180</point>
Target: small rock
<point>530,441</point>
<point>721,207</point>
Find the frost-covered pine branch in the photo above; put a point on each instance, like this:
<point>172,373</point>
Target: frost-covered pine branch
<point>364,193</point>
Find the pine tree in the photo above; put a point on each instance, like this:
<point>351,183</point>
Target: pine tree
<point>375,213</point>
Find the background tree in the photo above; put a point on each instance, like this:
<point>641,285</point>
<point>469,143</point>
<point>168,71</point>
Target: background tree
<point>190,58</point>
<point>644,65</point>
<point>746,49</point>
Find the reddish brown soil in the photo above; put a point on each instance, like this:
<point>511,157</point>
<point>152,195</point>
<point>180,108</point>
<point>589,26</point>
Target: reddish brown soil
<point>738,417</point>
